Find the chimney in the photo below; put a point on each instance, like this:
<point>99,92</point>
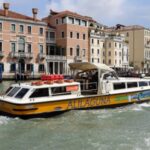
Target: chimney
<point>34,11</point>
<point>6,8</point>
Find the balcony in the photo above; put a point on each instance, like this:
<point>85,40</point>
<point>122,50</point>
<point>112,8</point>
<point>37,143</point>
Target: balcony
<point>147,45</point>
<point>41,56</point>
<point>1,54</point>
<point>21,55</point>
<point>78,59</point>
<point>50,40</point>
<point>56,57</point>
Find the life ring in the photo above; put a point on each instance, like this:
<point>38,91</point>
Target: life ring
<point>59,81</point>
<point>69,80</point>
<point>48,82</point>
<point>37,83</point>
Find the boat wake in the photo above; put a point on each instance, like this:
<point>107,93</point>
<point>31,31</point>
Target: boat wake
<point>145,106</point>
<point>4,120</point>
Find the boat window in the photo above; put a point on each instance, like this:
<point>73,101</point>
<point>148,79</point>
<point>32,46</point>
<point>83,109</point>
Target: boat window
<point>131,84</point>
<point>22,93</point>
<point>8,90</point>
<point>143,83</point>
<point>40,93</point>
<point>119,86</point>
<point>60,91</point>
<point>13,91</point>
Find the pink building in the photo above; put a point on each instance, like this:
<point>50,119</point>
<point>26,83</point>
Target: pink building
<point>72,36</point>
<point>22,43</point>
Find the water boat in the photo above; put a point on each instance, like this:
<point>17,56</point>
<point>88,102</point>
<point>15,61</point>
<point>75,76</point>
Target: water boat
<point>93,86</point>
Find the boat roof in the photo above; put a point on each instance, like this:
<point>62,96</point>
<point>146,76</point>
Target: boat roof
<point>84,66</point>
<point>29,85</point>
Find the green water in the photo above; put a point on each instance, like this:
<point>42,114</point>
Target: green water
<point>126,128</point>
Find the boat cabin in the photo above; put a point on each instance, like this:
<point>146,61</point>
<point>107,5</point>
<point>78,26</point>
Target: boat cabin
<point>101,79</point>
<point>27,92</point>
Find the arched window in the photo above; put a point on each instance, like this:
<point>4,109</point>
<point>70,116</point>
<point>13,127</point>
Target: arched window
<point>21,43</point>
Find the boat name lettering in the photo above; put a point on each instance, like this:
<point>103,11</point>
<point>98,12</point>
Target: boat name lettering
<point>89,102</point>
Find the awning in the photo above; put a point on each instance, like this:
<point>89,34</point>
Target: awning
<point>84,66</point>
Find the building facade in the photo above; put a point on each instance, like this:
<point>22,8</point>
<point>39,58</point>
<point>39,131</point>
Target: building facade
<point>55,60</point>
<point>72,36</point>
<point>22,41</point>
<point>138,39</point>
<point>108,48</point>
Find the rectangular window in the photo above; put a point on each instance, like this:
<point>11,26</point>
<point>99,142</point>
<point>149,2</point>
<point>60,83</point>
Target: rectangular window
<point>109,53</point>
<point>57,21</point>
<point>1,26</point>
<point>78,52</point>
<point>29,29</point>
<point>21,28</point>
<point>92,41</point>
<point>52,35</point>
<point>63,20</point>
<point>41,49</point>
<point>92,60</point>
<point>109,45</point>
<point>29,48</point>
<point>71,34</point>
<point>13,28</point>
<point>22,93</point>
<point>83,52</point>
<point>71,20</point>
<point>143,83</point>
<point>98,42</point>
<point>83,23</point>
<point>92,51</point>
<point>59,91</point>
<point>62,34</point>
<point>77,35</point>
<point>30,67</point>
<point>1,67</point>
<point>44,92</point>
<point>119,86</point>
<point>84,37</point>
<point>78,21</point>
<point>12,67</point>
<point>13,47</point>
<point>41,31</point>
<point>98,51</point>
<point>119,45</point>
<point>71,51</point>
<point>132,84</point>
<point>109,61</point>
<point>47,35</point>
<point>1,47</point>
<point>41,68</point>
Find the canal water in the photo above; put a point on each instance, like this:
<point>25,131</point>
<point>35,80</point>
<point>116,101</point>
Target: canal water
<point>126,128</point>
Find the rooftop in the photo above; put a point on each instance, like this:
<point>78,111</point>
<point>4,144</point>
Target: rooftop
<point>15,15</point>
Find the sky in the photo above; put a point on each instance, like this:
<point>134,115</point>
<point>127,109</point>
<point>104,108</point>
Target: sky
<point>107,12</point>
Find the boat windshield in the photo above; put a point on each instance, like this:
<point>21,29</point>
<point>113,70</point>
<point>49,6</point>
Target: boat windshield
<point>13,91</point>
<point>8,90</point>
<point>22,93</point>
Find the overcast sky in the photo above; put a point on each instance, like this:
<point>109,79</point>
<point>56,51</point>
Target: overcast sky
<point>108,12</point>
